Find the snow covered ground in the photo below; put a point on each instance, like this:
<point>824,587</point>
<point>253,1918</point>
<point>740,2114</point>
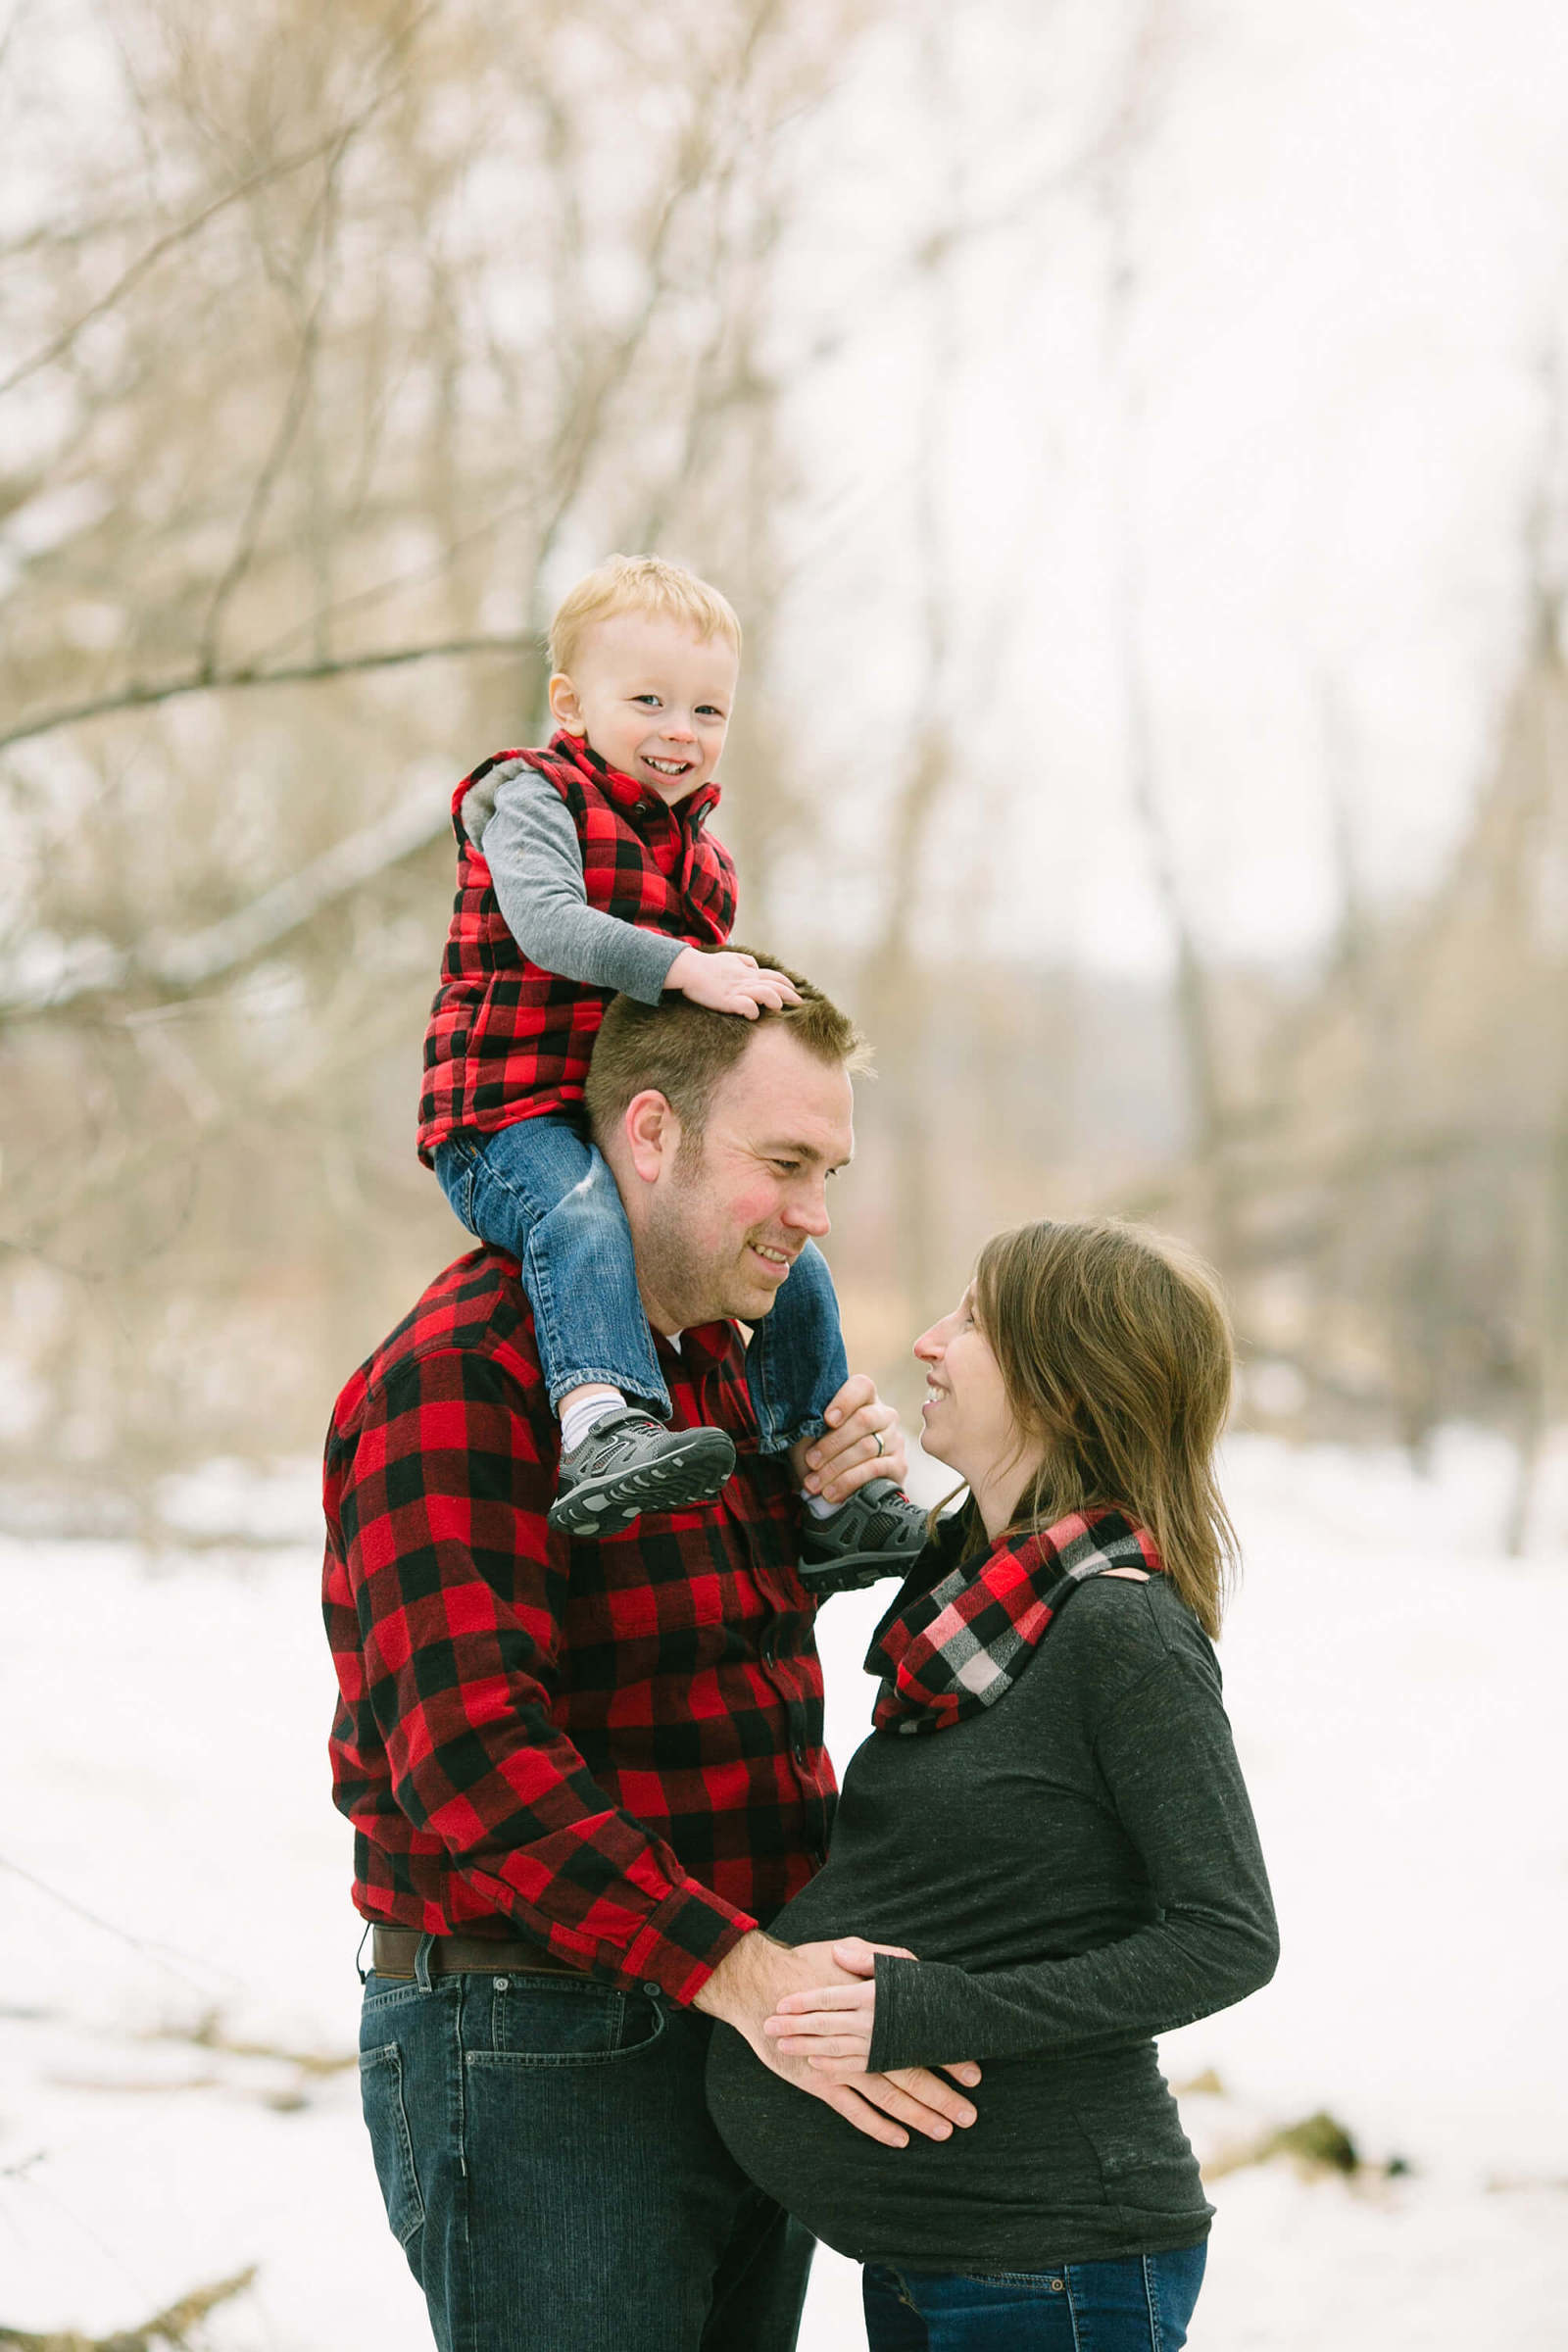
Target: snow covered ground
<point>1396,1690</point>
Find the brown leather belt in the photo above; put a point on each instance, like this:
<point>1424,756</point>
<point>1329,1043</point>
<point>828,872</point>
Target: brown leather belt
<point>393,1950</point>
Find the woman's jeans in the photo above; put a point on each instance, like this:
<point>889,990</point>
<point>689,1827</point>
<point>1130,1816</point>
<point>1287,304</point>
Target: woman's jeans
<point>542,1191</point>
<point>1141,2305</point>
<point>550,2171</point>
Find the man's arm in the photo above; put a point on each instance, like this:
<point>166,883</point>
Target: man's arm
<point>458,1605</point>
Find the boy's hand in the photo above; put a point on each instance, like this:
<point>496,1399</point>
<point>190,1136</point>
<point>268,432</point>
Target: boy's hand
<point>729,982</point>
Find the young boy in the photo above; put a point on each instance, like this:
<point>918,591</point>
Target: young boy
<point>584,870</point>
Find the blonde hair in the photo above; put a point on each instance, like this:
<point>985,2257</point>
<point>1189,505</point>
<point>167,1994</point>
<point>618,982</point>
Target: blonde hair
<point>1115,1351</point>
<point>639,584</point>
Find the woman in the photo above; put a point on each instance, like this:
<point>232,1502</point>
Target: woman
<point>1050,1812</point>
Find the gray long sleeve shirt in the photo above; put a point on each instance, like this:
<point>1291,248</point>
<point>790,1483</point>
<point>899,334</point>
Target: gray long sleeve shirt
<point>1078,1870</point>
<point>515,817</point>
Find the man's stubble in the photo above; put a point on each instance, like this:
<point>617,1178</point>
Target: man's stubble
<point>693,1282</point>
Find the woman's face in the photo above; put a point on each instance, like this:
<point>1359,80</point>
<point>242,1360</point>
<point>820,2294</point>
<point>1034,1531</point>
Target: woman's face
<point>968,1421</point>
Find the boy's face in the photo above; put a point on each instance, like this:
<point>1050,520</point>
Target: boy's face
<point>651,698</point>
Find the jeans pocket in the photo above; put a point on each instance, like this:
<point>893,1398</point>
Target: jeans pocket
<point>383,1993</point>
<point>1034,2283</point>
<point>387,2122</point>
<point>559,2022</point>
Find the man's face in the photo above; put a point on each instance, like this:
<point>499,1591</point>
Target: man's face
<point>651,698</point>
<point>719,1236</point>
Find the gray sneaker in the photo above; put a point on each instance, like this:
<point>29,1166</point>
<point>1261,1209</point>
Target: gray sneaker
<point>878,1532</point>
<point>632,1464</point>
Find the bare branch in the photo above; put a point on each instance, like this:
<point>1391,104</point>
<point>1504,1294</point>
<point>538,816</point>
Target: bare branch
<point>281,168</point>
<point>172,967</point>
<point>580,430</point>
<point>12,27</point>
<point>271,465</point>
<point>171,2327</point>
<point>144,693</point>
<point>288,423</point>
<point>162,1955</point>
<point>155,252</point>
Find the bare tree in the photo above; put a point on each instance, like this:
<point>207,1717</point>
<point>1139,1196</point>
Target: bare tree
<point>344,341</point>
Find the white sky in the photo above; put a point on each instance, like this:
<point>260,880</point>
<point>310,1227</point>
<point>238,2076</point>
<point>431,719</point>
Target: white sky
<point>1316,434</point>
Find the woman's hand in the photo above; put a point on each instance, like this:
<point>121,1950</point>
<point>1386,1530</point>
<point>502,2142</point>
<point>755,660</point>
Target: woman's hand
<point>862,1441</point>
<point>830,2025</point>
<point>746,1986</point>
<point>830,2028</point>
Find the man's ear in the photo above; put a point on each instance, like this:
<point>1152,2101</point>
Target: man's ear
<point>653,1134</point>
<point>564,707</point>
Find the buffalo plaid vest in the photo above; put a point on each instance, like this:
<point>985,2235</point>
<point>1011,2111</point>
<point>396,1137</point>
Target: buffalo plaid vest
<point>508,1040</point>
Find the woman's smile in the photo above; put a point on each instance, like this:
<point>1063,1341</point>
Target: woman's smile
<point>967,1418</point>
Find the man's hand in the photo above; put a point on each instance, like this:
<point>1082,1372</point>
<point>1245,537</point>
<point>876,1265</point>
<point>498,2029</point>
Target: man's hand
<point>747,1985</point>
<point>730,982</point>
<point>847,1455</point>
<point>830,2025</point>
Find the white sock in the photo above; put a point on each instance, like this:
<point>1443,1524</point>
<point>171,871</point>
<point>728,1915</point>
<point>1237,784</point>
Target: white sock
<point>586,1414</point>
<point>819,1505</point>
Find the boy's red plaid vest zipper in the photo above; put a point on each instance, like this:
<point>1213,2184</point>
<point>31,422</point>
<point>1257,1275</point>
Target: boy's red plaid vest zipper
<point>508,1040</point>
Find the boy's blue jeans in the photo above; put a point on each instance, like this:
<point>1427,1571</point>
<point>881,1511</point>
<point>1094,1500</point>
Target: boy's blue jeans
<point>540,1190</point>
<point>1141,2305</point>
<point>550,2171</point>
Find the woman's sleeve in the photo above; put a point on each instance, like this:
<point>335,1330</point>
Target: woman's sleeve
<point>1169,1764</point>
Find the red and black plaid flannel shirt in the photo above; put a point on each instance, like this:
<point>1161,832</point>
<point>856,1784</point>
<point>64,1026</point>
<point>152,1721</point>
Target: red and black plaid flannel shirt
<point>613,1749</point>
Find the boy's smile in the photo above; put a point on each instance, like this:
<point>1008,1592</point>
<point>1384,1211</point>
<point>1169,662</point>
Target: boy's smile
<point>651,698</point>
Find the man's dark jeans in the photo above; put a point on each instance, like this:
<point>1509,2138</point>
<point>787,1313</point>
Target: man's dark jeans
<point>549,2168</point>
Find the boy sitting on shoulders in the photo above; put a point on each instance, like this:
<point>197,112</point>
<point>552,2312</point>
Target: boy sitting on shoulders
<point>585,870</point>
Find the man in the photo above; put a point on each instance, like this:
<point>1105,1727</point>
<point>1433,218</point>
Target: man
<point>583,1776</point>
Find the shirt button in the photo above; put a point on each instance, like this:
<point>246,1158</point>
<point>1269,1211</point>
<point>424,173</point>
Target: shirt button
<point>800,1753</point>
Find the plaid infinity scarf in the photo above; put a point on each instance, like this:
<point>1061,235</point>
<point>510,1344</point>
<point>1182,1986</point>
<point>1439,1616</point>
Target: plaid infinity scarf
<point>961,1645</point>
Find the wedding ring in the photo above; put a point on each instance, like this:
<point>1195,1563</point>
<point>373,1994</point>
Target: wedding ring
<point>881,1449</point>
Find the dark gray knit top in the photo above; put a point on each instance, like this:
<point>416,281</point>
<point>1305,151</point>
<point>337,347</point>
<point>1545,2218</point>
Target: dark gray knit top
<point>1078,1870</point>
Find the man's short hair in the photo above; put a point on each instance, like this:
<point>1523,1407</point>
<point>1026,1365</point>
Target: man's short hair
<point>682,1050</point>
<point>639,584</point>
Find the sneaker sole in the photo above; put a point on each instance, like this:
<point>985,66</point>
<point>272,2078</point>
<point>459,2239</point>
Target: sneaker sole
<point>606,1505</point>
<point>887,1563</point>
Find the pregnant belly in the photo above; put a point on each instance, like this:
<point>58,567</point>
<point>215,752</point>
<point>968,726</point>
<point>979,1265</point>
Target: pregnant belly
<point>842,2186</point>
<point>1069,2159</point>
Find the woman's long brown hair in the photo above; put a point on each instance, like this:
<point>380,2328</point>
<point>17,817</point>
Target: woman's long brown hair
<point>1115,1351</point>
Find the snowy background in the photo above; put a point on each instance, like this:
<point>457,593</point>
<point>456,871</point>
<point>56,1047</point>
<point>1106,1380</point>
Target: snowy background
<point>1136,435</point>
<point>174,2105</point>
